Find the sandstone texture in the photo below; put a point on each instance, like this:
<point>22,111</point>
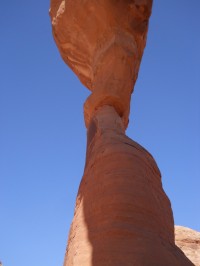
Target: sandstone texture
<point>122,215</point>
<point>102,41</point>
<point>188,241</point>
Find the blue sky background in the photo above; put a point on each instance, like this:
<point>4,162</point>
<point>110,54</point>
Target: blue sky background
<point>43,137</point>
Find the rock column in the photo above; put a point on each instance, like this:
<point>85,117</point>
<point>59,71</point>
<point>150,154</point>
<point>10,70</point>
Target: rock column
<point>122,215</point>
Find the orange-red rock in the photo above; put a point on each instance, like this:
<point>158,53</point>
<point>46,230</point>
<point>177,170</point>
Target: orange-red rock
<point>103,42</point>
<point>188,241</point>
<point>122,215</point>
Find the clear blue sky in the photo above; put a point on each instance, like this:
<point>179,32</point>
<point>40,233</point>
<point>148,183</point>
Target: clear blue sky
<point>43,137</point>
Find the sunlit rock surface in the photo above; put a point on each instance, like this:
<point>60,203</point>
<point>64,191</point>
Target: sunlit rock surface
<point>188,241</point>
<point>122,215</point>
<point>102,42</point>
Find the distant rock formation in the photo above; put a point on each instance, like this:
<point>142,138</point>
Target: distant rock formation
<point>122,215</point>
<point>188,241</point>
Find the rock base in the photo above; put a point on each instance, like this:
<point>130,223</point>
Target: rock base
<point>122,214</point>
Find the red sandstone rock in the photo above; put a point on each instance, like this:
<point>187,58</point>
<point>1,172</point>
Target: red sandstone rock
<point>122,215</point>
<point>188,241</point>
<point>103,42</point>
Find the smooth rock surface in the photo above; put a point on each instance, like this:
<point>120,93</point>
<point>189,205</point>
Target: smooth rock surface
<point>188,241</point>
<point>122,216</point>
<point>86,30</point>
<point>102,41</point>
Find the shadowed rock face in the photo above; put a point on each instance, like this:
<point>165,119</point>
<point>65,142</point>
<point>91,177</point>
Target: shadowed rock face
<point>188,241</point>
<point>122,215</point>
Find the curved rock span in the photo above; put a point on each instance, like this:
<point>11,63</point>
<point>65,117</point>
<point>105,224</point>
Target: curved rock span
<point>103,42</point>
<point>122,215</point>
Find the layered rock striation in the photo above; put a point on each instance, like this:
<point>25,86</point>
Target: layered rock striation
<point>122,215</point>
